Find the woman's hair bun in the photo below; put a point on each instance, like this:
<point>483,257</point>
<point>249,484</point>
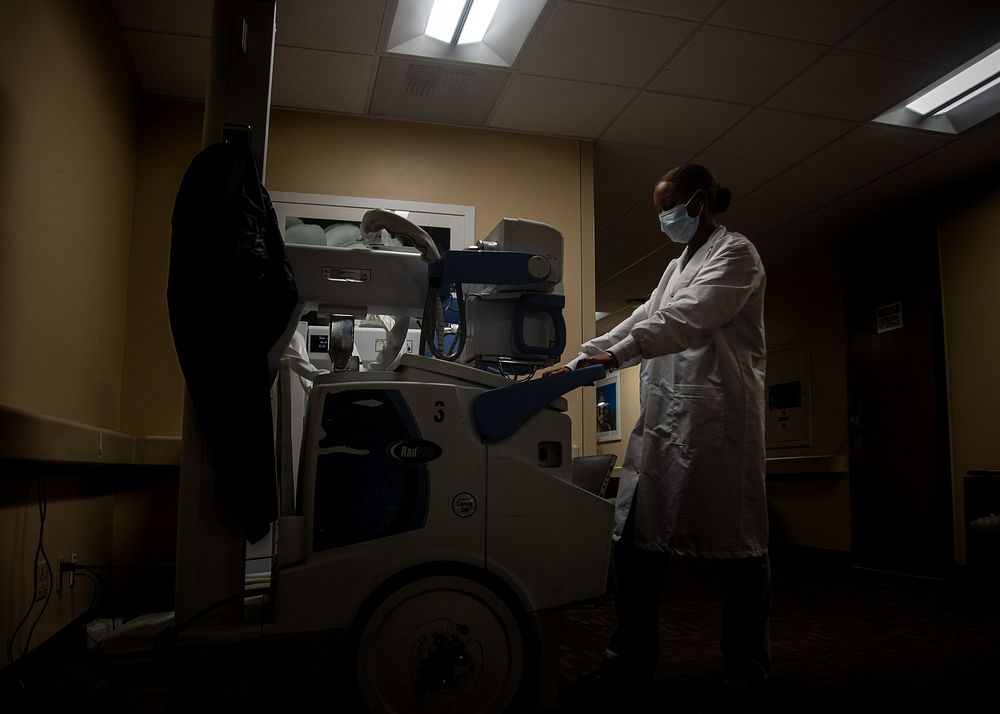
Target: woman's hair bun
<point>723,197</point>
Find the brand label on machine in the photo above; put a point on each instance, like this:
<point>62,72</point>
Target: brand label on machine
<point>464,504</point>
<point>414,451</point>
<point>346,275</point>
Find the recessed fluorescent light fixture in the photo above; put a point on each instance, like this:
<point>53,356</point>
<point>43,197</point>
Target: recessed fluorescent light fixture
<point>477,20</point>
<point>480,31</point>
<point>460,22</point>
<point>954,91</point>
<point>966,97</point>
<point>444,19</point>
<point>959,100</point>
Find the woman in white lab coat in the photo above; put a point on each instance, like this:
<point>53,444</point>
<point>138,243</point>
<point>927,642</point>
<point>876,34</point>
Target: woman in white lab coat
<point>692,481</point>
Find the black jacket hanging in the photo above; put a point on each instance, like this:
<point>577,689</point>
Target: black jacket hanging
<point>231,294</point>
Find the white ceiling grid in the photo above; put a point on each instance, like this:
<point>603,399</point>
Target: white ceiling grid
<point>775,96</point>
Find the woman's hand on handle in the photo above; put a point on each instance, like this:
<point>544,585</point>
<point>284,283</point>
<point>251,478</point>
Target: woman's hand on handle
<point>605,359</point>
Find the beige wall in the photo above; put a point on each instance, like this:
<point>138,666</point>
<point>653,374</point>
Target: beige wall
<point>500,174</point>
<point>67,165</point>
<point>805,303</point>
<point>78,520</point>
<point>152,384</point>
<point>970,274</point>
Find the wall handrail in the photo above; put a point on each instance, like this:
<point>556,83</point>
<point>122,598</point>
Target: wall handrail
<point>28,436</point>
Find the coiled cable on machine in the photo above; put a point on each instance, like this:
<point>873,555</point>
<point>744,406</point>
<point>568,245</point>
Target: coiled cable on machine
<point>432,325</point>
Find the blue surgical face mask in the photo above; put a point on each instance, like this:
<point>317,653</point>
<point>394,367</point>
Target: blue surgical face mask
<point>678,225</point>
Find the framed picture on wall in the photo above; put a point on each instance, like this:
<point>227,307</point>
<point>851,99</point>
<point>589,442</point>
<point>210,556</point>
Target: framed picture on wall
<point>608,408</point>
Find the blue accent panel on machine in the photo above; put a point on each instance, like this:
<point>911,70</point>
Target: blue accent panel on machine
<point>450,307</point>
<point>535,303</point>
<point>362,491</point>
<point>501,411</point>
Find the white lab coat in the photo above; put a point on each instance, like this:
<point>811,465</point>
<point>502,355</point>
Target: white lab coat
<point>694,465</point>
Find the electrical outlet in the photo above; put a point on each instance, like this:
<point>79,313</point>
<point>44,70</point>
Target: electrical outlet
<point>72,573</point>
<point>43,580</point>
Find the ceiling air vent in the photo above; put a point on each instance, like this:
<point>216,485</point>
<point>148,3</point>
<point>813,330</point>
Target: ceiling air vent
<point>456,80</point>
<point>436,91</point>
<point>421,80</point>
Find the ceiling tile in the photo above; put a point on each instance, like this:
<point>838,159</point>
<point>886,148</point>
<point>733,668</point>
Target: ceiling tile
<point>629,238</point>
<point>172,65</point>
<point>739,175</point>
<point>689,9</point>
<point>611,201</point>
<point>812,234</point>
<point>613,306</point>
<point>650,271</point>
<point>755,219</point>
<point>175,17</point>
<point>317,79</point>
<point>634,165</point>
<point>640,280</point>
<point>735,66</point>
<point>935,173</point>
<point>853,160</point>
<point>619,249</point>
<point>670,122</point>
<point>870,151</point>
<point>954,163</point>
<point>850,85</point>
<point>812,20</point>
<point>808,183</point>
<point>421,89</point>
<point>604,45</point>
<point>619,308</point>
<point>603,273</point>
<point>987,132</point>
<point>929,31</point>
<point>342,25</point>
<point>779,136</point>
<point>559,106</point>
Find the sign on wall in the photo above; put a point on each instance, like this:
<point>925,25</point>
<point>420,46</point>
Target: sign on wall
<point>889,317</point>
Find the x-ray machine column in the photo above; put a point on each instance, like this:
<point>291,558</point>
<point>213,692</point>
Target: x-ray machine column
<point>210,545</point>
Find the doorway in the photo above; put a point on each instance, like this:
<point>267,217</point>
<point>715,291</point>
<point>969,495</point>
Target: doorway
<point>902,518</point>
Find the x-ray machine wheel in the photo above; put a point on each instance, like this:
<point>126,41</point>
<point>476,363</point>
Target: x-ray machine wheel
<point>437,644</point>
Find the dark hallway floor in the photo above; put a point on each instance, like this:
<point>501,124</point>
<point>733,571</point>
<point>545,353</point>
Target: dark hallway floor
<point>843,638</point>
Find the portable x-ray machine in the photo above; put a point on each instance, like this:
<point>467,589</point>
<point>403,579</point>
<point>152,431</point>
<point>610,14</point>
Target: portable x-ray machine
<point>433,519</point>
<point>437,519</point>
